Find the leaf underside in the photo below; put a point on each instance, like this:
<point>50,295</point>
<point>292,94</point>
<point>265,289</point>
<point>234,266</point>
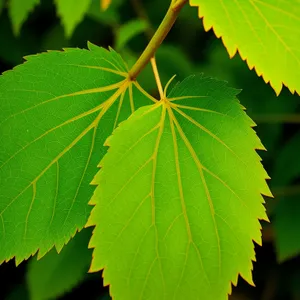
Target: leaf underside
<point>56,111</point>
<point>179,197</point>
<point>266,33</point>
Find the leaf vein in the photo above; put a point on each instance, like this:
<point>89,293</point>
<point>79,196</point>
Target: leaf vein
<point>30,209</point>
<point>200,169</point>
<point>117,72</point>
<point>83,174</point>
<point>119,109</point>
<point>83,92</point>
<point>56,195</point>
<point>155,154</point>
<point>274,31</point>
<point>207,131</point>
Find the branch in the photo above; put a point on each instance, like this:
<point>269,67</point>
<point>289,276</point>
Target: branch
<point>158,38</point>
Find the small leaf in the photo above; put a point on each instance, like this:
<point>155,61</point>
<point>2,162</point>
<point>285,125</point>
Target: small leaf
<point>179,198</point>
<point>128,31</point>
<point>72,12</point>
<point>265,33</point>
<point>56,274</point>
<point>56,111</point>
<point>19,11</point>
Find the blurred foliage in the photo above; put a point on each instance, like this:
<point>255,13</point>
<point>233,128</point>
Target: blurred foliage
<point>64,270</point>
<point>188,49</point>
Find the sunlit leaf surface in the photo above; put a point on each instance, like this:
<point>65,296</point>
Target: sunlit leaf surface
<point>179,197</point>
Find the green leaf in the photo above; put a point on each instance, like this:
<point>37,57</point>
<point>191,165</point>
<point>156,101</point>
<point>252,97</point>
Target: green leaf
<point>56,274</point>
<point>19,11</point>
<point>56,111</point>
<point>72,12</point>
<point>179,197</point>
<point>128,31</point>
<point>265,33</point>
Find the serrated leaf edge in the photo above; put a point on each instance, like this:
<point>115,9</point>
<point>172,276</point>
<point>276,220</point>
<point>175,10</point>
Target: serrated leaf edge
<point>208,25</point>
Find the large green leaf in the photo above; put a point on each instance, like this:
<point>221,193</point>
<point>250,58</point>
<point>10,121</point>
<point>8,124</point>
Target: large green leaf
<point>178,201</point>
<point>56,111</point>
<point>56,274</point>
<point>266,33</point>
<point>19,11</point>
<point>72,12</point>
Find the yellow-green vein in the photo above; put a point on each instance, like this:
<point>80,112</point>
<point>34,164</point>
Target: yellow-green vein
<point>200,169</point>
<point>180,188</point>
<point>83,92</point>
<point>83,174</point>
<point>30,208</point>
<point>155,153</point>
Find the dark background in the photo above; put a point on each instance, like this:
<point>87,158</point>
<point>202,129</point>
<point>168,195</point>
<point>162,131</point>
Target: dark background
<point>186,50</point>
